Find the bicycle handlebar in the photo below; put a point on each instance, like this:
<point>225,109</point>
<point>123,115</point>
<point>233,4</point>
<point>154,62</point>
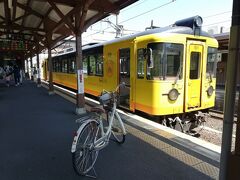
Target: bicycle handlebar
<point>107,96</point>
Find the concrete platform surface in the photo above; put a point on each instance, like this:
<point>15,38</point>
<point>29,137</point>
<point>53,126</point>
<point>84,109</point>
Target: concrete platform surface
<point>36,133</point>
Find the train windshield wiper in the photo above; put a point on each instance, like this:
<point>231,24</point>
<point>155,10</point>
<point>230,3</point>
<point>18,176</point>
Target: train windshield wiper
<point>210,76</point>
<point>178,74</point>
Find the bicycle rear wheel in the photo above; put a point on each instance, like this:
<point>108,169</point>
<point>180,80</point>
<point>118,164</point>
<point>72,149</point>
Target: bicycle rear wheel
<point>85,155</point>
<point>117,131</point>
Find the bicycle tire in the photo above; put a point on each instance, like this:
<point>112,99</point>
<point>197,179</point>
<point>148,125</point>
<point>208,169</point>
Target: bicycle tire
<point>84,150</point>
<point>117,131</point>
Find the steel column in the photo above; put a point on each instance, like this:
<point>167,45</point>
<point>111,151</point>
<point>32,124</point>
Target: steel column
<point>27,65</point>
<point>80,94</point>
<point>230,93</point>
<point>50,70</point>
<point>38,69</point>
<point>31,66</point>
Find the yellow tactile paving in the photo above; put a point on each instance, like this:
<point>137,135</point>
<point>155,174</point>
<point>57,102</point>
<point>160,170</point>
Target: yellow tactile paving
<point>178,154</point>
<point>208,169</point>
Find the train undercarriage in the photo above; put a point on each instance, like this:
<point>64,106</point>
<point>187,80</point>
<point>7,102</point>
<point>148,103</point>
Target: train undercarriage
<point>186,123</point>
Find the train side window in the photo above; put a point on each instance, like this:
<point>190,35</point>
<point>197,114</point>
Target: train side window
<point>211,62</point>
<point>140,63</point>
<point>92,65</point>
<point>99,65</point>
<point>195,65</point>
<point>71,65</point>
<point>85,64</point>
<point>64,65</point>
<point>54,65</point>
<point>58,65</point>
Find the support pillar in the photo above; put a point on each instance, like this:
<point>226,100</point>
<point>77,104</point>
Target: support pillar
<point>38,70</point>
<point>80,109</point>
<point>31,66</point>
<point>230,162</point>
<point>27,72</point>
<point>50,69</point>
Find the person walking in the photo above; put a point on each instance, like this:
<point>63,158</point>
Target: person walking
<point>16,72</point>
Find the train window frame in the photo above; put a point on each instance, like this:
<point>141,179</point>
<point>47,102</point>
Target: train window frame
<point>124,62</point>
<point>95,52</point>
<point>54,65</point>
<point>211,61</point>
<point>195,66</point>
<point>141,63</point>
<point>59,65</point>
<point>71,64</point>
<point>160,68</point>
<point>64,64</point>
<point>91,65</point>
<point>99,65</point>
<point>85,64</point>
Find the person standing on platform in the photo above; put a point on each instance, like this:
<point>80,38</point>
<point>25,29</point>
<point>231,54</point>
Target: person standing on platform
<point>8,73</point>
<point>16,72</point>
<point>22,76</point>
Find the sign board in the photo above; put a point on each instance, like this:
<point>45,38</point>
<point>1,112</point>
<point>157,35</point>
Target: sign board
<point>80,81</point>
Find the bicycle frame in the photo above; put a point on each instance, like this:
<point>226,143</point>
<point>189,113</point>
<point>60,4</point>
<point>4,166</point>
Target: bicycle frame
<point>104,139</point>
<point>100,142</point>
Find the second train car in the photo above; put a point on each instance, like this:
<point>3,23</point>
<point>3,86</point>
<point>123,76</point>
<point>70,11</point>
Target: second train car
<point>169,72</point>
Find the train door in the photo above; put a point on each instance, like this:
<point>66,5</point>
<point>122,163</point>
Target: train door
<point>193,75</point>
<point>124,77</point>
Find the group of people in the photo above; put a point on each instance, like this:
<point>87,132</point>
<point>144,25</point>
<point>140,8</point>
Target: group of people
<point>9,72</point>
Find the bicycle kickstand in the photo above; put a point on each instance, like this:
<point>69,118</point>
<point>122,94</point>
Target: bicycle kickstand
<point>94,174</point>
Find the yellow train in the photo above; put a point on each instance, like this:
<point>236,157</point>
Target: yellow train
<point>169,72</point>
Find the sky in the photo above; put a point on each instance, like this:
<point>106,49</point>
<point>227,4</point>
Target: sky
<point>138,16</point>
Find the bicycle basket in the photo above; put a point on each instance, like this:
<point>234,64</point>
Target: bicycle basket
<point>105,99</point>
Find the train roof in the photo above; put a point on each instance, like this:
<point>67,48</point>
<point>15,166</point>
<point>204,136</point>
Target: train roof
<point>168,29</point>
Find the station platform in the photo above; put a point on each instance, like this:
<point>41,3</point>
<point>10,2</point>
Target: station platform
<point>36,133</point>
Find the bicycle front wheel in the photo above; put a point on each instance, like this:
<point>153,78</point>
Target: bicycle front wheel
<point>117,131</point>
<point>85,155</point>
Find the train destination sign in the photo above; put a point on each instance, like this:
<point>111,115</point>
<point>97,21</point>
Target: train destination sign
<point>13,45</point>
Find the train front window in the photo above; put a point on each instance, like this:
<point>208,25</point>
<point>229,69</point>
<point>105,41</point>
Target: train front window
<point>167,59</point>
<point>211,62</point>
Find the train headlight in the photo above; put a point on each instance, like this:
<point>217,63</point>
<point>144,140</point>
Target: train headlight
<point>173,94</point>
<point>210,91</point>
<point>198,21</point>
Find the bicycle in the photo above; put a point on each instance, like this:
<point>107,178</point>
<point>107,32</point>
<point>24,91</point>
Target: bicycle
<point>93,135</point>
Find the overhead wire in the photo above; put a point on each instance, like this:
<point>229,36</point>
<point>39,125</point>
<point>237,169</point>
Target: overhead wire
<point>148,11</point>
<point>126,9</point>
<point>137,15</point>
<point>225,12</point>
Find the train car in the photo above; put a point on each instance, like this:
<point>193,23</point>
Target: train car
<point>169,72</point>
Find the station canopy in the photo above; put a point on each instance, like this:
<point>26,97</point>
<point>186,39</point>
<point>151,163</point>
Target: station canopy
<point>33,25</point>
